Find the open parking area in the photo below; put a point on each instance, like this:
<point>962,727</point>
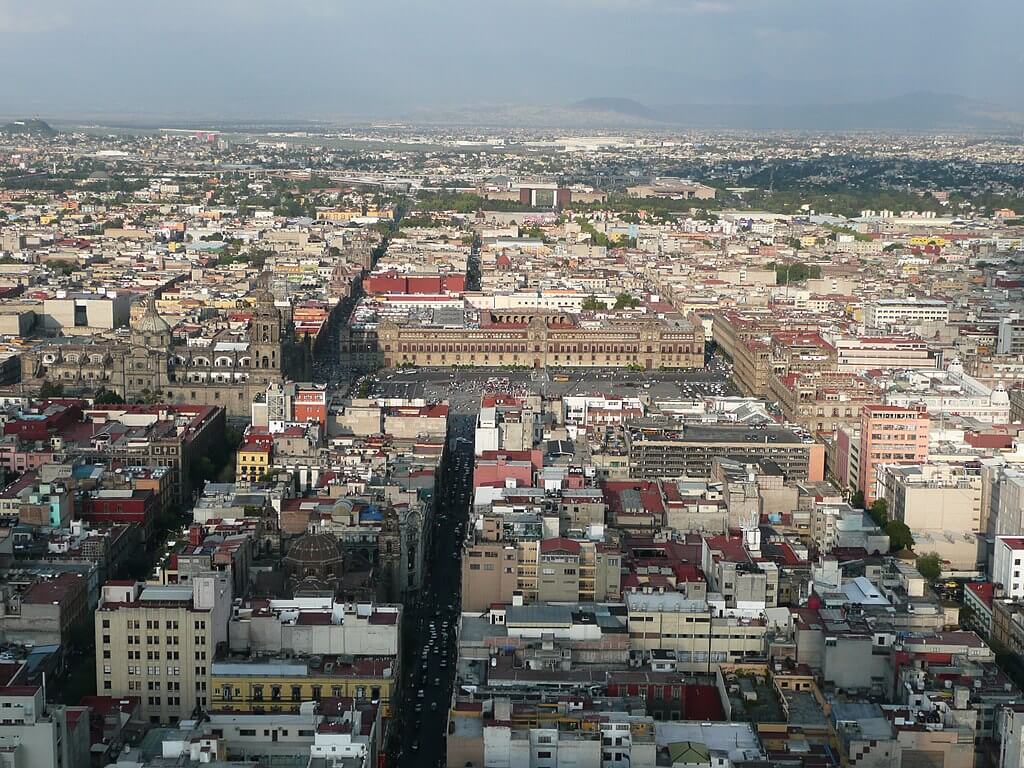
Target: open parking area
<point>462,387</point>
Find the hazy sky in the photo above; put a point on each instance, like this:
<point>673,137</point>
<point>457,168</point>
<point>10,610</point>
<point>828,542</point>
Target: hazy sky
<point>338,58</point>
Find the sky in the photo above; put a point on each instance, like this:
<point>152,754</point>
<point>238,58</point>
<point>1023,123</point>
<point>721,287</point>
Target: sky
<point>339,59</point>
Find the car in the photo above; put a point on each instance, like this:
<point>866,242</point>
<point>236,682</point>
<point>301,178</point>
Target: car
<point>437,681</point>
<point>419,706</point>
<point>433,706</point>
<point>419,694</point>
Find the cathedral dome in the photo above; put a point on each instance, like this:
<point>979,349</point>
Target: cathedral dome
<point>151,324</point>
<point>315,554</point>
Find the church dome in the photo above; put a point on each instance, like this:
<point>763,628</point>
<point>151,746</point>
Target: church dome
<point>151,323</point>
<point>315,554</point>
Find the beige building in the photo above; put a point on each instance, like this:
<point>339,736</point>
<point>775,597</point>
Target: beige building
<point>670,621</point>
<point>159,643</point>
<point>539,340</point>
<point>539,570</point>
<point>934,497</point>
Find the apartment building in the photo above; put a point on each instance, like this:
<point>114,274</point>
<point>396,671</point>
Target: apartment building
<point>701,640</point>
<point>34,733</point>
<point>822,401</point>
<point>539,570</point>
<point>856,354</point>
<point>159,642</point>
<point>282,685</point>
<point>889,313</point>
<point>889,435</point>
<point>1010,337</point>
<point>666,450</point>
<point>1008,566</point>
<point>933,496</point>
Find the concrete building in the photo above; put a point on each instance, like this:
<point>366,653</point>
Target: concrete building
<point>889,435</point>
<point>33,733</point>
<point>84,313</point>
<point>158,643</point>
<point>538,340</point>
<point>883,314</point>
<point>1007,567</point>
<point>667,450</point>
<point>316,626</point>
<point>702,641</point>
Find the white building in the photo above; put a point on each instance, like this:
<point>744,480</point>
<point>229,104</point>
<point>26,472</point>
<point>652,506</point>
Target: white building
<point>893,313</point>
<point>1008,565</point>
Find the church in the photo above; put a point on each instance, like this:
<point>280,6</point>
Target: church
<point>150,365</point>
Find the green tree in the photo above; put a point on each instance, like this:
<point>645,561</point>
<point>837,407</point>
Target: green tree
<point>930,566</point>
<point>107,397</point>
<point>625,301</point>
<point>857,500</point>
<point>900,536</point>
<point>51,389</point>
<point>879,512</point>
<point>591,304</point>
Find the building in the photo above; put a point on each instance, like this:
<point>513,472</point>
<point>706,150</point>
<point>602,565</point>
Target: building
<point>889,435</point>
<point>545,340</point>
<point>33,733</point>
<point>1007,567</point>
<point>662,450</point>
<point>701,640</point>
<point>85,313</point>
<point>159,642</point>
<point>229,372</point>
<point>1010,337</point>
<point>275,685</point>
<point>883,314</point>
<point>667,186</point>
<point>538,570</point>
<point>857,354</point>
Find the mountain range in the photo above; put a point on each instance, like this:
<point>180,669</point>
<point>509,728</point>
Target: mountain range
<point>920,111</point>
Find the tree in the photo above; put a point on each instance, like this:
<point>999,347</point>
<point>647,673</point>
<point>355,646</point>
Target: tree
<point>857,500</point>
<point>930,566</point>
<point>51,389</point>
<point>900,536</point>
<point>106,397</point>
<point>625,301</point>
<point>591,304</point>
<point>879,512</point>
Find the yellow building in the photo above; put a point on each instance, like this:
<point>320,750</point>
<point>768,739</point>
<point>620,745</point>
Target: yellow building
<point>253,460</point>
<point>282,686</point>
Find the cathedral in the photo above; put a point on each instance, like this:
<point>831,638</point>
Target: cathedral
<point>228,370</point>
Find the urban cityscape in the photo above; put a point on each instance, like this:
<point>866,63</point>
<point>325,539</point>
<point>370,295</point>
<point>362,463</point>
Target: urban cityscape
<point>610,432</point>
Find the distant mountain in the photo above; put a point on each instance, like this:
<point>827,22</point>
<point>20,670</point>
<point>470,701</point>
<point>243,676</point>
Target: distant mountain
<point>32,127</point>
<point>617,106</point>
<point>910,112</point>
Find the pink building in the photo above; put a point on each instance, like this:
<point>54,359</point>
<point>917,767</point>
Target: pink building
<point>497,467</point>
<point>890,435</point>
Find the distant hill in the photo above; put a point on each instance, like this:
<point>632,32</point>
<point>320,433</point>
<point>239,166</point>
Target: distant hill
<point>909,112</point>
<point>32,127</point>
<point>617,106</point>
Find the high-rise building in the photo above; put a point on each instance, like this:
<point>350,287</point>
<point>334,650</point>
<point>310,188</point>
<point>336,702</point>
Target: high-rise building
<point>889,435</point>
<point>159,642</point>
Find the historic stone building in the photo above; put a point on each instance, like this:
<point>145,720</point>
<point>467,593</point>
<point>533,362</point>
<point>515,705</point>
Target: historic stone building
<point>150,364</point>
<point>538,340</point>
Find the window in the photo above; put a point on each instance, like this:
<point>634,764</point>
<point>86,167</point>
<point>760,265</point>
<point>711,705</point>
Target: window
<point>246,731</point>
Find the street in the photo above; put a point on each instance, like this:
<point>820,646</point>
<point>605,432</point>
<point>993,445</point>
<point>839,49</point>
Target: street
<point>431,623</point>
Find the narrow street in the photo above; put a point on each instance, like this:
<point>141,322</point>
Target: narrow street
<point>431,624</point>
